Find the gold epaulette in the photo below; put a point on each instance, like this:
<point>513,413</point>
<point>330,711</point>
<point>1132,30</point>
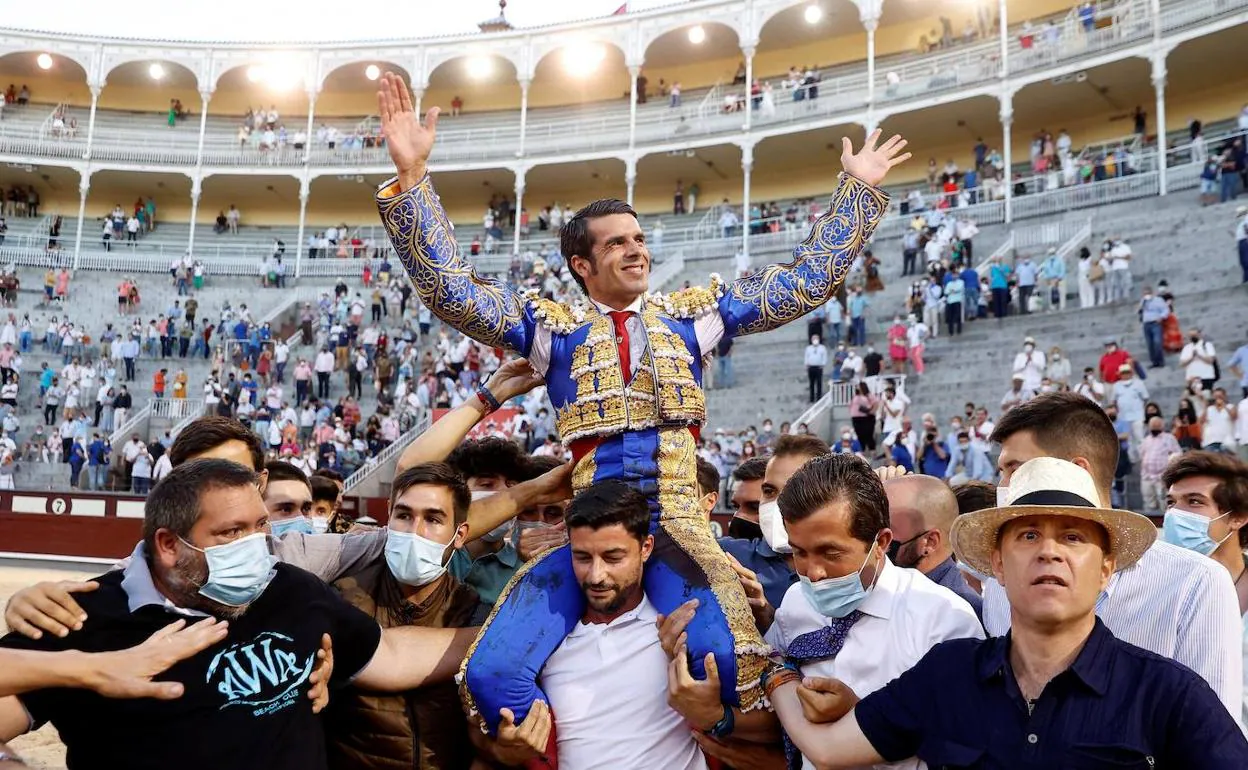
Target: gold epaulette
<point>556,316</point>
<point>693,302</point>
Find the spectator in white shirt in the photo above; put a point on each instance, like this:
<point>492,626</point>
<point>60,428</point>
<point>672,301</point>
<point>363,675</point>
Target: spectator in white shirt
<point>608,679</point>
<point>1217,424</point>
<point>1172,602</point>
<point>1030,365</point>
<point>1119,271</point>
<point>816,359</point>
<point>1198,356</point>
<point>231,217</point>
<point>1091,388</point>
<point>882,619</point>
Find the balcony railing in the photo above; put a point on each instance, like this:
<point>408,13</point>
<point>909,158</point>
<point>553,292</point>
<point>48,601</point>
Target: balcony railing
<point>494,137</point>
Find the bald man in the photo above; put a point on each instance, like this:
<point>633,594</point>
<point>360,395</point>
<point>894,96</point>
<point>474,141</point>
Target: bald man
<point>921,510</point>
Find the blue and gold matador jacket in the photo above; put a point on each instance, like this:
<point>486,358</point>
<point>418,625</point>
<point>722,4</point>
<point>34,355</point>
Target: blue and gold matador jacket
<point>639,433</point>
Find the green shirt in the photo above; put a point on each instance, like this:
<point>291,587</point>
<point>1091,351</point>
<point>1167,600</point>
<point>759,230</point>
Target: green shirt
<point>487,575</point>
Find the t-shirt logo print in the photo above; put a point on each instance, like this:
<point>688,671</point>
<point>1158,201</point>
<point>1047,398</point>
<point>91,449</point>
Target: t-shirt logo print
<point>265,673</point>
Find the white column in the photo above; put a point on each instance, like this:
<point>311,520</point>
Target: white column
<point>630,177</point>
<point>520,172</point>
<point>1007,154</point>
<point>307,142</point>
<point>204,96</point>
<point>524,123</point>
<point>418,97</point>
<point>1159,85</point>
<point>84,186</point>
<point>749,84</point>
<point>1005,39</point>
<point>196,189</point>
<point>871,25</point>
<point>747,163</point>
<point>633,73</point>
<point>95,98</point>
<point>305,188</point>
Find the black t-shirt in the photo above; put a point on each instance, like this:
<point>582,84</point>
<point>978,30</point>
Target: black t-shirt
<point>872,362</point>
<point>245,703</point>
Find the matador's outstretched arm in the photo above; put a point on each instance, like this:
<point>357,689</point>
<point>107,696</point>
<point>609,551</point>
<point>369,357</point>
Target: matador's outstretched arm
<point>778,294</point>
<point>485,309</point>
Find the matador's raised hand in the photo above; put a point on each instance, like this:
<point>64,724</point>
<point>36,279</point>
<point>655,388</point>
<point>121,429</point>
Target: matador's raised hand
<point>871,164</point>
<point>409,142</point>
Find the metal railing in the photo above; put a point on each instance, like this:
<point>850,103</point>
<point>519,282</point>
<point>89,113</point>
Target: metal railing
<point>175,408</point>
<point>196,411</point>
<point>383,458</point>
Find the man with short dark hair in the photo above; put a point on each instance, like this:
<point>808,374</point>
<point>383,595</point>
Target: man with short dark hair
<point>747,493</point>
<point>921,510</point>
<point>854,617</point>
<point>204,553</point>
<point>708,487</point>
<point>1060,690</point>
<point>1207,513</point>
<point>608,682</point>
<point>411,587</point>
<point>635,359</point>
<point>288,498</point>
<point>1172,602</point>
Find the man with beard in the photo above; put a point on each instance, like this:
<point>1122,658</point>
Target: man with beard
<point>204,553</point>
<point>921,509</point>
<point>608,679</point>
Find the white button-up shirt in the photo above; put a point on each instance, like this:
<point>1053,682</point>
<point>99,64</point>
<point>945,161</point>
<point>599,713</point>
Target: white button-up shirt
<point>607,684</point>
<point>1173,602</point>
<point>904,616</point>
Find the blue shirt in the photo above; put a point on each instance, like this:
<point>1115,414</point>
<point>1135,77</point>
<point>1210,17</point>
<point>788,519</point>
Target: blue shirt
<point>1240,359</point>
<point>858,305</point>
<point>948,575</point>
<point>1053,267</point>
<point>971,279</point>
<point>932,463</point>
<point>903,458</point>
<point>770,567</point>
<point>1153,310</point>
<point>1116,706</point>
<point>955,289</point>
<point>1026,274</point>
<point>998,277</point>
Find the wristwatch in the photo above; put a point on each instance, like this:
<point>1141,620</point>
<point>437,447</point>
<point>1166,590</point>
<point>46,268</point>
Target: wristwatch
<point>724,727</point>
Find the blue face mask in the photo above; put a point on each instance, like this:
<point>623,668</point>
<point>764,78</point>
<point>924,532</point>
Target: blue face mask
<point>301,524</point>
<point>1190,531</point>
<point>238,572</point>
<point>839,596</point>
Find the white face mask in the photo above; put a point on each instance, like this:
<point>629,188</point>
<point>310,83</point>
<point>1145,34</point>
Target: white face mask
<point>414,560</point>
<point>772,525</point>
<point>498,533</point>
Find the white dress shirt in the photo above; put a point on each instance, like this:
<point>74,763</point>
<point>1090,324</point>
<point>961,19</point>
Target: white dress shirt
<point>607,685</point>
<point>1172,602</point>
<point>708,329</point>
<point>904,616</point>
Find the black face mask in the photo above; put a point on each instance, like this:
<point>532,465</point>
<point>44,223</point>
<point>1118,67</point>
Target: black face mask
<point>1155,432</point>
<point>894,548</point>
<point>744,529</point>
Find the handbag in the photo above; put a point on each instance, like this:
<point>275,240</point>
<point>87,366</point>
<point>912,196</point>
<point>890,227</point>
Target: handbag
<point>1096,272</point>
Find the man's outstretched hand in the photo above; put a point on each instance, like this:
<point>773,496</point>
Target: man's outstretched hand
<point>409,142</point>
<point>870,164</point>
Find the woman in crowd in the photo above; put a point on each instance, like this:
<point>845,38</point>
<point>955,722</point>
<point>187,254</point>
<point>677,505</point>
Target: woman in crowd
<point>862,409</point>
<point>897,347</point>
<point>1187,425</point>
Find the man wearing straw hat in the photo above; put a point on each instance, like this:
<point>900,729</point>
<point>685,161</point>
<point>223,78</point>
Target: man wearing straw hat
<point>1059,690</point>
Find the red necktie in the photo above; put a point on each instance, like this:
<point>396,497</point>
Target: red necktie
<point>619,319</point>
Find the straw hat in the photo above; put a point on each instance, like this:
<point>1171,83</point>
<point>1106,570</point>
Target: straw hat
<point>1047,486</point>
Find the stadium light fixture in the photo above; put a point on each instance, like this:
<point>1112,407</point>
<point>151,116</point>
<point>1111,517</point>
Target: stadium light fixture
<point>44,61</point>
<point>697,34</point>
<point>372,72</point>
<point>813,14</point>
<point>156,71</point>
<point>480,67</point>
<point>582,59</point>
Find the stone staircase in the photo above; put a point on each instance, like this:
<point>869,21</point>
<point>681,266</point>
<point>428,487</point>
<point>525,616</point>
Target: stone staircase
<point>1172,238</point>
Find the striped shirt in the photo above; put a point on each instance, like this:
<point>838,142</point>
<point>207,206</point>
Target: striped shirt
<point>1173,602</point>
<point>1155,454</point>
